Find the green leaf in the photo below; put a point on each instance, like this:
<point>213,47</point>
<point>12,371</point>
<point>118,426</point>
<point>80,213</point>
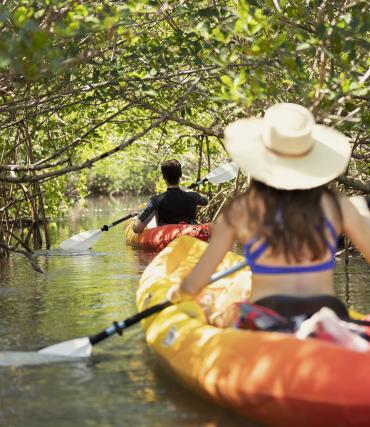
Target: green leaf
<point>226,80</point>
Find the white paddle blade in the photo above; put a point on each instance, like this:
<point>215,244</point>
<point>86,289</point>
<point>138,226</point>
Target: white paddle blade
<point>223,173</point>
<point>79,347</point>
<point>82,241</point>
<point>153,222</point>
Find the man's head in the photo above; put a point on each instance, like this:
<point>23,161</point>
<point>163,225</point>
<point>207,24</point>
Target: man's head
<point>171,171</point>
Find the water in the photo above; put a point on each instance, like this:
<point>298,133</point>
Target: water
<point>79,295</point>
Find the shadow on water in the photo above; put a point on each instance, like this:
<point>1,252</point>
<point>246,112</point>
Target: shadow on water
<point>195,408</point>
<point>80,294</point>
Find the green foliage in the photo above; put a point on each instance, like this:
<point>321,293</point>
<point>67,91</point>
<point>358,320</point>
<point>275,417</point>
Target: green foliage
<point>77,79</point>
<point>55,200</point>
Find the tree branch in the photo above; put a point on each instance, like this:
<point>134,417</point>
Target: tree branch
<point>30,258</point>
<point>357,184</point>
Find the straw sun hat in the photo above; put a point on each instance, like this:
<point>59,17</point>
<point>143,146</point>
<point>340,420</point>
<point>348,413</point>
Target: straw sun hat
<point>286,149</point>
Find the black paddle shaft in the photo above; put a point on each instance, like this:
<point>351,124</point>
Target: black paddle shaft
<point>118,327</point>
<point>195,184</point>
<point>125,218</point>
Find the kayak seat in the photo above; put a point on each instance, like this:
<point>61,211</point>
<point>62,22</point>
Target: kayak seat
<point>292,306</point>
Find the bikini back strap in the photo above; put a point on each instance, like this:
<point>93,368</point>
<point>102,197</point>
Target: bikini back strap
<point>332,231</point>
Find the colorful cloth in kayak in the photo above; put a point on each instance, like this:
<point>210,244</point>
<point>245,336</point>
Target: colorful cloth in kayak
<point>174,206</point>
<point>326,325</point>
<point>323,324</point>
<point>258,318</point>
<point>282,312</point>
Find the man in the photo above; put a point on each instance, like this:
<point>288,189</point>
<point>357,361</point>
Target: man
<point>173,206</point>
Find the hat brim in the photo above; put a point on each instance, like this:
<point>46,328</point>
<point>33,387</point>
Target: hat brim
<point>327,159</point>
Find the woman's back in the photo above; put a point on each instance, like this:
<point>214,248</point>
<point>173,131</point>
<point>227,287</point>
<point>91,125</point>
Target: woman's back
<point>275,272</point>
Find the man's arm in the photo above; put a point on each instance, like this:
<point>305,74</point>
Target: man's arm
<point>144,217</point>
<point>202,200</point>
<point>138,226</point>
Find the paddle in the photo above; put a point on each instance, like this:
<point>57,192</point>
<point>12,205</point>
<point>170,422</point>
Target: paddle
<point>82,347</point>
<point>85,239</point>
<point>223,173</point>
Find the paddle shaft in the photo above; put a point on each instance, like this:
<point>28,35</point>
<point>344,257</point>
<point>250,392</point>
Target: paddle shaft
<point>221,174</point>
<point>118,327</point>
<point>125,218</point>
<point>195,184</point>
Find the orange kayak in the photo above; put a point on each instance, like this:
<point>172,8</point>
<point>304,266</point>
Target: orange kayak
<point>157,238</point>
<point>272,378</point>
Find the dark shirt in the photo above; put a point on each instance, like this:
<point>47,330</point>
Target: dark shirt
<point>174,206</point>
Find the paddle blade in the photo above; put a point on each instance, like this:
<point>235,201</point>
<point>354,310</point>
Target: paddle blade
<point>82,241</point>
<point>79,347</point>
<point>223,173</point>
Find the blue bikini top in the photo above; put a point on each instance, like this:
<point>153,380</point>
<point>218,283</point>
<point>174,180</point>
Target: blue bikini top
<point>252,257</point>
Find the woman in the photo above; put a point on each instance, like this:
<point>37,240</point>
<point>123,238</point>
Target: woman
<point>288,219</point>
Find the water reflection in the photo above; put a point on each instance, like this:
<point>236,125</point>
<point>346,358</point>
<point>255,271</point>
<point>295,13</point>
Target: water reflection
<point>23,358</point>
<point>79,295</point>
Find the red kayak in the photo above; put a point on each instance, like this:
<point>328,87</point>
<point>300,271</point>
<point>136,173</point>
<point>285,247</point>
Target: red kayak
<point>157,238</point>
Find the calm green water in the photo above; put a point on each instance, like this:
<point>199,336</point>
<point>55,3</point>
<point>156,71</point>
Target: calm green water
<point>79,295</point>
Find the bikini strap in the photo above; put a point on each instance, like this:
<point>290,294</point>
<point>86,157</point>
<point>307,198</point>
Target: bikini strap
<point>330,226</point>
<point>250,242</point>
<point>260,250</point>
<point>252,256</point>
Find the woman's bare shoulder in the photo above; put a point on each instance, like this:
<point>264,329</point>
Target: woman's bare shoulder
<point>356,223</point>
<point>233,209</point>
<point>236,215</point>
<point>354,211</point>
<point>348,208</point>
<point>332,208</point>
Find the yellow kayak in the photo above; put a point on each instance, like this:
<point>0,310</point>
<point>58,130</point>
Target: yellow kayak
<point>270,377</point>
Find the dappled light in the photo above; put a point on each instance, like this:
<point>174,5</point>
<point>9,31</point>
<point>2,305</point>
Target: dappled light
<point>273,378</point>
<point>240,123</point>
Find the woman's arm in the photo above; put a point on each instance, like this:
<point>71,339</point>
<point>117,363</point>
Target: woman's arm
<point>356,225</point>
<point>222,239</point>
<point>360,203</point>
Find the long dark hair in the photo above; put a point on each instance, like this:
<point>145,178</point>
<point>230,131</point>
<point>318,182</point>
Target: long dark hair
<point>290,220</point>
